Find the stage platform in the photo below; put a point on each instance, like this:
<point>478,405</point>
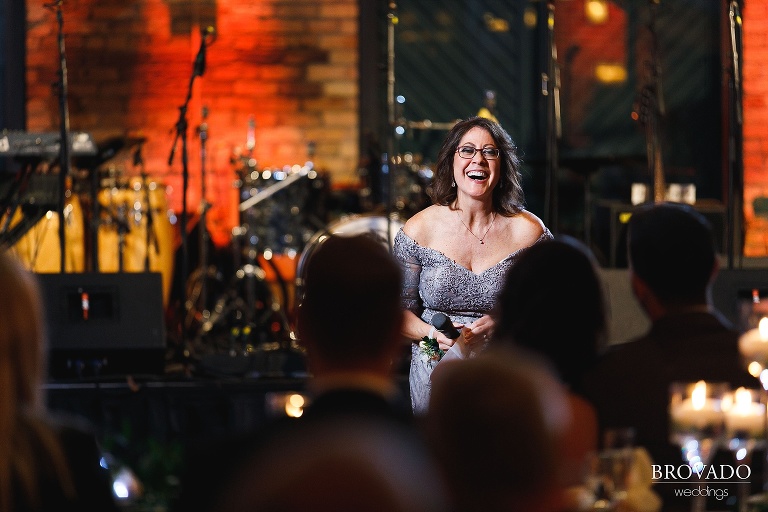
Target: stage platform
<point>149,424</point>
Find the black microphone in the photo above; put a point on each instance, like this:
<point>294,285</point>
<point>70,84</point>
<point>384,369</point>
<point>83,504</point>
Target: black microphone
<point>199,68</point>
<point>443,324</point>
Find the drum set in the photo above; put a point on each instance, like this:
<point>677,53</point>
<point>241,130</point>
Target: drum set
<point>117,219</point>
<point>284,220</point>
<point>127,216</point>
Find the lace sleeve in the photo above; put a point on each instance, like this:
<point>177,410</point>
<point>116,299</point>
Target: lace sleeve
<point>405,251</point>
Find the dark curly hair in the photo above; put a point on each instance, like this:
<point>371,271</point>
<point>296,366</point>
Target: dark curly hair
<point>527,312</point>
<point>508,197</point>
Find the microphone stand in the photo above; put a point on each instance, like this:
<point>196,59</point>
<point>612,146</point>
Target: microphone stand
<point>150,237</point>
<point>203,254</point>
<point>181,134</point>
<point>391,162</point>
<point>551,90</point>
<point>64,144</point>
<point>735,136</point>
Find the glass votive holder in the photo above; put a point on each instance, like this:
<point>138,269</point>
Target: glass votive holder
<point>745,421</point>
<point>697,419</point>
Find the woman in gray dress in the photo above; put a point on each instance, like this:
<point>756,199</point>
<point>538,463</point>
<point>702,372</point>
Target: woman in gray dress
<point>456,252</point>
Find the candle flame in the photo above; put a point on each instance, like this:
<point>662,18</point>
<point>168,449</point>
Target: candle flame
<point>762,326</point>
<point>743,398</point>
<point>699,395</point>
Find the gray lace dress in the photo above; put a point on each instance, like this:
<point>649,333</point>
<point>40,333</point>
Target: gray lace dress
<point>434,283</point>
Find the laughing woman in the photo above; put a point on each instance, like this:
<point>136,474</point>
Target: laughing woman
<point>455,253</point>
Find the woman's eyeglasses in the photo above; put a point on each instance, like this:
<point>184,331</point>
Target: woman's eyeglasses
<point>469,152</point>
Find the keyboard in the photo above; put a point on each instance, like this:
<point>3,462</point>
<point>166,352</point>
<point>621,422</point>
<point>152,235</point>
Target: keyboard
<point>20,143</point>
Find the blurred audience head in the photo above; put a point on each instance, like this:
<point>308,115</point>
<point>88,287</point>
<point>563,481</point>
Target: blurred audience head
<point>23,351</point>
<point>23,428</point>
<point>494,422</point>
<point>350,316</point>
<point>671,250</point>
<point>552,303</point>
<point>343,467</point>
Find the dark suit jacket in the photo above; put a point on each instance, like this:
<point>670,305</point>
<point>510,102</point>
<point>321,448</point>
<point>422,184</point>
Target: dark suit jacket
<point>629,386</point>
<point>358,403</point>
<point>212,466</point>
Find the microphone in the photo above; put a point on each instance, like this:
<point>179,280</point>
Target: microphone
<point>443,324</point>
<point>199,68</point>
<point>200,59</point>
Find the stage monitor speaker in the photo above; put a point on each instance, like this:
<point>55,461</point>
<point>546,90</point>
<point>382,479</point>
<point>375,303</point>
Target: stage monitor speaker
<point>619,214</point>
<point>741,295</point>
<point>104,323</point>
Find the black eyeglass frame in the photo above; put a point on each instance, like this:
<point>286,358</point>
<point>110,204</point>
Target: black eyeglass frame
<point>488,153</point>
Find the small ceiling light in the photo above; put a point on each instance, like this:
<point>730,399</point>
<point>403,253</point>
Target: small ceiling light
<point>609,73</point>
<point>596,11</point>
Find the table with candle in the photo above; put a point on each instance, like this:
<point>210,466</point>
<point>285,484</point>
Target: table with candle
<point>753,346</point>
<point>744,415</point>
<point>696,409</point>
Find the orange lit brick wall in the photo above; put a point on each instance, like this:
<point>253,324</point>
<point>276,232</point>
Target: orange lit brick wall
<point>755,75</point>
<point>291,64</point>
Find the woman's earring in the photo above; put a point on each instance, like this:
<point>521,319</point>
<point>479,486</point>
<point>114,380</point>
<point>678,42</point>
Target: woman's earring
<point>453,184</point>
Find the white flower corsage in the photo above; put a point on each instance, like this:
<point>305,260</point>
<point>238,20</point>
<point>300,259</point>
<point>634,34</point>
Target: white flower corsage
<point>430,349</point>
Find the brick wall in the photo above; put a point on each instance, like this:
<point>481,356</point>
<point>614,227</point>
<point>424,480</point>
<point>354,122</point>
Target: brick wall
<point>755,74</point>
<point>291,64</point>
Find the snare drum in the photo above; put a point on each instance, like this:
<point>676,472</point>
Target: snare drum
<point>379,227</point>
<point>125,208</point>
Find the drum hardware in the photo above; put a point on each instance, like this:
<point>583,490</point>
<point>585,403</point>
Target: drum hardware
<point>381,228</point>
<point>244,317</point>
<point>204,239</point>
<point>244,312</point>
<point>38,248</point>
<point>207,38</point>
<point>133,230</point>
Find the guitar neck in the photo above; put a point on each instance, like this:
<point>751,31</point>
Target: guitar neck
<point>659,182</point>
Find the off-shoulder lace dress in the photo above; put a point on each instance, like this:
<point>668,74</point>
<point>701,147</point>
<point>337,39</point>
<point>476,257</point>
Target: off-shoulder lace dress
<point>435,283</point>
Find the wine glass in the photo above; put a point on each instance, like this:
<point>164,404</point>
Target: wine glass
<point>745,429</point>
<point>697,424</point>
<point>611,467</point>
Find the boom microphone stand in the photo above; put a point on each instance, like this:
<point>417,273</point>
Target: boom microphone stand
<point>181,134</point>
<point>65,164</point>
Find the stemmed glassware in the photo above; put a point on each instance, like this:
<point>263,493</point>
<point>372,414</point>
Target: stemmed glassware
<point>611,467</point>
<point>745,429</point>
<point>753,346</point>
<point>697,424</point>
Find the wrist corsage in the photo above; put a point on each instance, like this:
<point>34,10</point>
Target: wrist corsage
<point>431,349</point>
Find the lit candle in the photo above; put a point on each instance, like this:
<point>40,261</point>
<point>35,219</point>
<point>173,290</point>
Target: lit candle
<point>698,411</point>
<point>745,418</point>
<point>753,345</point>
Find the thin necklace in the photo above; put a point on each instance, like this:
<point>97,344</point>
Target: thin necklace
<point>493,219</point>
